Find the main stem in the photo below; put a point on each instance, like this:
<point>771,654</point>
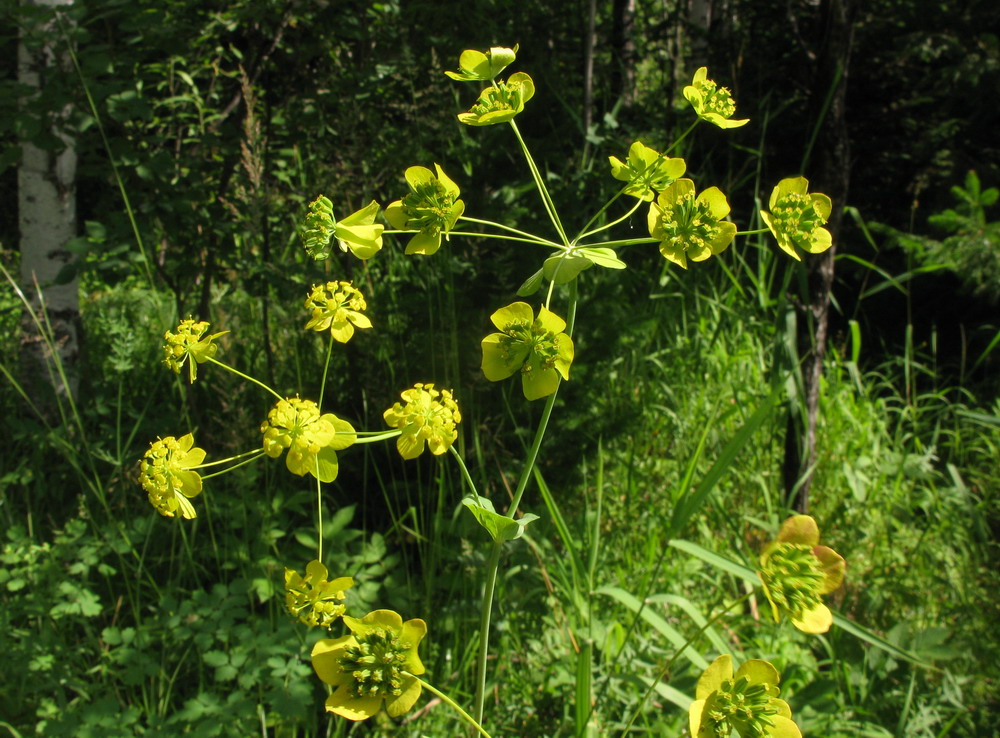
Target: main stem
<point>494,561</point>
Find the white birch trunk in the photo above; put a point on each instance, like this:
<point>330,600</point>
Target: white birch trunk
<point>47,206</point>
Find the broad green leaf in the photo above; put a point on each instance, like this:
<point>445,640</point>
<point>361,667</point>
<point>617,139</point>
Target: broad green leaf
<point>531,285</point>
<point>564,267</point>
<point>603,257</point>
<point>500,527</point>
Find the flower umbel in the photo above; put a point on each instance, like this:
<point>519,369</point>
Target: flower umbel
<point>501,102</point>
<point>432,207</point>
<point>312,599</point>
<point>189,344</point>
<point>646,170</point>
<point>711,102</point>
<point>337,306</point>
<point>478,66</point>
<point>358,232</point>
<point>312,439</point>
<point>537,347</point>
<point>688,226</point>
<point>428,418</point>
<point>167,473</point>
<point>746,702</point>
<point>797,217</point>
<point>376,663</point>
<point>795,571</point>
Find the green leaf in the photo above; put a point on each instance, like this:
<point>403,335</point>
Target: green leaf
<point>634,604</point>
<point>564,267</point>
<point>603,257</point>
<point>500,527</point>
<point>531,285</point>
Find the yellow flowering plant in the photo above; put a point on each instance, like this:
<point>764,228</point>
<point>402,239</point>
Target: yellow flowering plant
<point>796,571</point>
<point>375,663</point>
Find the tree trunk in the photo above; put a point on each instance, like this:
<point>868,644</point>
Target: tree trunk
<point>47,213</point>
<point>623,51</point>
<point>832,175</point>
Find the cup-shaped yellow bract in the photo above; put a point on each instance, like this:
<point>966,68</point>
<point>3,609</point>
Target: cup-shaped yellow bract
<point>427,417</point>
<point>537,347</point>
<point>189,344</point>
<point>479,66</point>
<point>746,702</point>
<point>432,207</point>
<point>337,307</point>
<point>357,233</point>
<point>797,217</point>
<point>795,571</point>
<point>500,103</point>
<point>167,474</point>
<point>646,170</point>
<point>690,227</point>
<point>711,102</point>
<point>312,599</point>
<point>312,439</point>
<point>377,663</point>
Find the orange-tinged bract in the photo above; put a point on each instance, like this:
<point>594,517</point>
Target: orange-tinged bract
<point>376,664</point>
<point>795,571</point>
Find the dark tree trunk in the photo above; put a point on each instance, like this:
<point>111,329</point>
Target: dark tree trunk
<point>830,176</point>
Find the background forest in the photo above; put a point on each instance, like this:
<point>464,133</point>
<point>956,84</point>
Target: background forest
<point>221,121</point>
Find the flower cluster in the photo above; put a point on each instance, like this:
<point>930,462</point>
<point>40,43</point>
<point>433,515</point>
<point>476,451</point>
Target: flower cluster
<point>428,417</point>
<point>189,344</point>
<point>312,439</point>
<point>501,102</point>
<point>797,218</point>
<point>746,702</point>
<point>646,170</point>
<point>357,233</point>
<point>479,66</point>
<point>166,472</point>
<point>432,207</point>
<point>312,599</point>
<point>711,102</point>
<point>537,347</point>
<point>795,571</point>
<point>377,663</point>
<point>337,307</point>
<point>688,226</point>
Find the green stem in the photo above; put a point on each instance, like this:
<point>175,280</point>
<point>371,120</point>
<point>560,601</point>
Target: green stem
<point>598,214</point>
<point>621,242</point>
<point>494,224</point>
<point>319,516</point>
<point>678,652</point>
<point>683,136</point>
<point>751,233</point>
<point>257,455</point>
<point>385,435</point>
<point>252,452</point>
<point>451,703</point>
<point>550,207</point>
<point>465,471</point>
<point>612,223</point>
<point>246,377</point>
<point>326,368</point>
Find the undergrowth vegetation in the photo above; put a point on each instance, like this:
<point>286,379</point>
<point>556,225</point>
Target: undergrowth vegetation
<point>658,488</point>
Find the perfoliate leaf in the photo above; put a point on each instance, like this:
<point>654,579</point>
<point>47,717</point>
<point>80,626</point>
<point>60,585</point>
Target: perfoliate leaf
<point>603,257</point>
<point>500,527</point>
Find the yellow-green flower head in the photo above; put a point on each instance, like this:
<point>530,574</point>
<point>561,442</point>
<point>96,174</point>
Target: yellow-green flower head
<point>478,66</point>
<point>337,306</point>
<point>537,347</point>
<point>746,702</point>
<point>167,474</point>
<point>189,344</point>
<point>432,207</point>
<point>311,439</point>
<point>358,232</point>
<point>500,103</point>
<point>690,227</point>
<point>711,102</point>
<point>376,663</point>
<point>428,417</point>
<point>646,170</point>
<point>796,571</point>
<point>314,600</point>
<point>797,217</point>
